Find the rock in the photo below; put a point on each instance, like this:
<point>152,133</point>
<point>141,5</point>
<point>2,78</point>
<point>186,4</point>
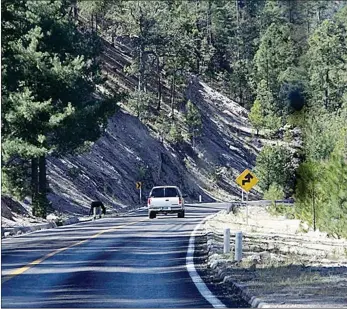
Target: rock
<point>52,217</point>
<point>71,220</point>
<point>264,256</point>
<point>7,234</point>
<point>227,279</point>
<point>253,267</point>
<point>221,273</point>
<point>255,258</point>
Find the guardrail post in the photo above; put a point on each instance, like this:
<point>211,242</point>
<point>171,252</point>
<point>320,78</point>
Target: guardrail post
<point>226,241</point>
<point>200,199</point>
<point>238,246</point>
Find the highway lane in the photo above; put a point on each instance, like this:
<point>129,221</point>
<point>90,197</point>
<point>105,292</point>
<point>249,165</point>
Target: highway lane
<point>123,262</point>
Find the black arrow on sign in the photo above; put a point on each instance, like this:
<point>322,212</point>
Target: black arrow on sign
<point>248,178</point>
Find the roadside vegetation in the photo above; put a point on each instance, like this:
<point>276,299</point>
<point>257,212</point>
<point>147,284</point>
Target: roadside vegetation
<point>285,61</point>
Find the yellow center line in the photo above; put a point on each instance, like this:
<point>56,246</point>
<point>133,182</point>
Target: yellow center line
<point>23,269</point>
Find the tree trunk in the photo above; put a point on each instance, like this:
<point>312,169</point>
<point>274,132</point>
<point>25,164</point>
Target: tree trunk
<point>209,24</point>
<point>159,91</point>
<point>326,91</point>
<point>42,175</point>
<point>267,71</point>
<point>140,70</point>
<point>308,21</point>
<point>240,91</point>
<point>140,82</point>
<point>318,15</point>
<point>75,11</point>
<point>96,23</point>
<point>198,41</point>
<point>34,184</point>
<point>172,96</point>
<point>42,187</point>
<point>193,140</point>
<point>314,207</point>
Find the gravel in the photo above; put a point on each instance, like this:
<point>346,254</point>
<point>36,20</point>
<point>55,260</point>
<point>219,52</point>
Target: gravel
<point>282,265</point>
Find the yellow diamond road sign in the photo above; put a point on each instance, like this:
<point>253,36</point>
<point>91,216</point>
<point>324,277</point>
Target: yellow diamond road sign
<point>247,180</point>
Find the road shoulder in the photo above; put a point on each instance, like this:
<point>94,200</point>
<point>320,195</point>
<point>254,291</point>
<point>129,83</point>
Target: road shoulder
<point>281,267</point>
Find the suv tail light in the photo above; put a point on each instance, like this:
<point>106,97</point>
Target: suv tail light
<point>149,201</point>
<point>179,201</point>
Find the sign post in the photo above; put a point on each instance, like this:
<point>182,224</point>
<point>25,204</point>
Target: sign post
<point>139,186</point>
<point>247,208</point>
<point>246,180</point>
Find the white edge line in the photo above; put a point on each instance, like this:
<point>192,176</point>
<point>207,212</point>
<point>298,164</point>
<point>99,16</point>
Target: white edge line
<point>199,283</point>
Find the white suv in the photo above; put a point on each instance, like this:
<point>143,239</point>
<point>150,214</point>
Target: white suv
<point>165,199</point>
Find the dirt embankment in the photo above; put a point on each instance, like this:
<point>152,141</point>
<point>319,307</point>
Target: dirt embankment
<point>130,150</point>
<point>283,264</point>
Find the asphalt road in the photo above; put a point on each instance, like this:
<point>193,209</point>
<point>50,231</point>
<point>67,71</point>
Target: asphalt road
<point>128,261</point>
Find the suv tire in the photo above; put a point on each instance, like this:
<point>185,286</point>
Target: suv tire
<point>152,215</point>
<point>180,214</point>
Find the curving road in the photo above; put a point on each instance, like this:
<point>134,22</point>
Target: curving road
<point>128,261</point>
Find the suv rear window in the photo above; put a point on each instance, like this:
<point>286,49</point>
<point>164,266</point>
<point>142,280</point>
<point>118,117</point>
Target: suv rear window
<point>158,192</point>
<point>164,192</point>
<point>171,192</point>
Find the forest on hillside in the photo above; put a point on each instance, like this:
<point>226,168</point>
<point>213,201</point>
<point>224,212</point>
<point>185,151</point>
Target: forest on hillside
<point>284,60</point>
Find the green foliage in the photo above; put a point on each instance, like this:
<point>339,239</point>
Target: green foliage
<point>275,192</point>
<point>143,170</point>
<point>49,86</point>
<point>141,103</point>
<point>41,205</point>
<point>217,173</point>
<point>275,166</point>
<point>319,130</point>
<point>162,126</point>
<point>74,172</point>
<point>15,179</point>
<point>268,115</point>
<point>193,120</point>
<point>274,58</point>
<point>326,59</point>
<point>258,52</point>
<point>275,54</point>
<point>320,190</point>
<point>334,216</point>
<point>256,116</point>
<point>175,134</point>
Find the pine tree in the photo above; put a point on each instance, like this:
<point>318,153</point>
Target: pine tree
<point>275,165</point>
<point>335,181</point>
<point>327,62</point>
<point>256,116</point>
<point>193,121</point>
<point>49,89</point>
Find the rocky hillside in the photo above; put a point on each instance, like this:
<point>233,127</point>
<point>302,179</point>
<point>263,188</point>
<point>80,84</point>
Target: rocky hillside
<point>130,150</point>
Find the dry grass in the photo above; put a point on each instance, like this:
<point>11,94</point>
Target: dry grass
<point>282,265</point>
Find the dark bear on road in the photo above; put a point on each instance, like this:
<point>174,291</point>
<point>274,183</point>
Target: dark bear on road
<point>95,207</point>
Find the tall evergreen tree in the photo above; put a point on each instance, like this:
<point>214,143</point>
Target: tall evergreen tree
<point>49,89</point>
<point>193,120</point>
<point>327,59</point>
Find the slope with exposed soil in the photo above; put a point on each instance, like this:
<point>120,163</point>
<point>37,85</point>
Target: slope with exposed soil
<point>130,149</point>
